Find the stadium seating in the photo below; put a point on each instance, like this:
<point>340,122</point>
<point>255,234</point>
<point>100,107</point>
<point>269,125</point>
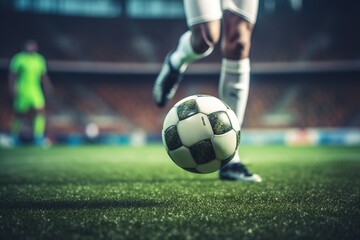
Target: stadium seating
<point>143,40</point>
<point>129,105</point>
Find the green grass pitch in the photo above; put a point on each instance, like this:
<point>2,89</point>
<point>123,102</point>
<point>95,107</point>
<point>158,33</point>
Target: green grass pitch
<point>102,192</point>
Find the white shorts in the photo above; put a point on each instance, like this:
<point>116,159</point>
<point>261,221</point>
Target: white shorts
<point>199,11</point>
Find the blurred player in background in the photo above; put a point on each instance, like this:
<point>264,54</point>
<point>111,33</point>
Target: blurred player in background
<point>204,21</point>
<point>27,79</point>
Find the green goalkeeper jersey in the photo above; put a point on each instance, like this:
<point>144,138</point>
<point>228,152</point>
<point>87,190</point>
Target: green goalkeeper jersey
<point>29,69</point>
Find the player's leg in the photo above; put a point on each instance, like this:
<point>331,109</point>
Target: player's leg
<point>203,19</point>
<point>239,19</point>
<point>235,69</point>
<point>20,108</point>
<point>39,123</point>
<point>15,127</point>
<point>39,119</point>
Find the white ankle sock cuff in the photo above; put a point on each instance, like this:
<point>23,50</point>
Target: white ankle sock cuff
<point>184,54</point>
<point>236,66</point>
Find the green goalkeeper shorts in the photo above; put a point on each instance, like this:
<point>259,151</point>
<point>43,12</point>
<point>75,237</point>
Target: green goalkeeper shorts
<point>25,102</point>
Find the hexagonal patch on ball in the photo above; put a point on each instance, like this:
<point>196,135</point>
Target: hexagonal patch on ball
<point>220,122</point>
<point>172,138</point>
<point>194,129</point>
<point>187,109</point>
<point>225,144</point>
<point>203,152</point>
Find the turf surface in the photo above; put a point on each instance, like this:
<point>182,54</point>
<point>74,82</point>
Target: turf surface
<point>138,193</point>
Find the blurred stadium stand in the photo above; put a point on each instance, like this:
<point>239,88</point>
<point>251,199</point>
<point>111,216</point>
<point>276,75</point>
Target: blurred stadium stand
<point>306,67</point>
<point>280,35</point>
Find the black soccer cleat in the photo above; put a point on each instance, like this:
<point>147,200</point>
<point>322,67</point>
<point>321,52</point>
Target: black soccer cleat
<point>166,83</point>
<point>237,172</point>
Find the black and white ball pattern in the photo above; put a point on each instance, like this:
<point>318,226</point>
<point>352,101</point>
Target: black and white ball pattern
<point>201,134</point>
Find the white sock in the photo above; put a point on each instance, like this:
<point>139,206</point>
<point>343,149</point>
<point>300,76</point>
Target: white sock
<point>184,53</point>
<point>234,88</point>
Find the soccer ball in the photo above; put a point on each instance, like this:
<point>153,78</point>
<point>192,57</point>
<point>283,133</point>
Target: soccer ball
<point>201,134</point>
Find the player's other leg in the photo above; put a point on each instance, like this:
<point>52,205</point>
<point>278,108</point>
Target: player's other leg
<point>21,107</point>
<point>235,76</point>
<point>39,119</point>
<point>15,127</point>
<point>39,123</point>
<point>203,19</point>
